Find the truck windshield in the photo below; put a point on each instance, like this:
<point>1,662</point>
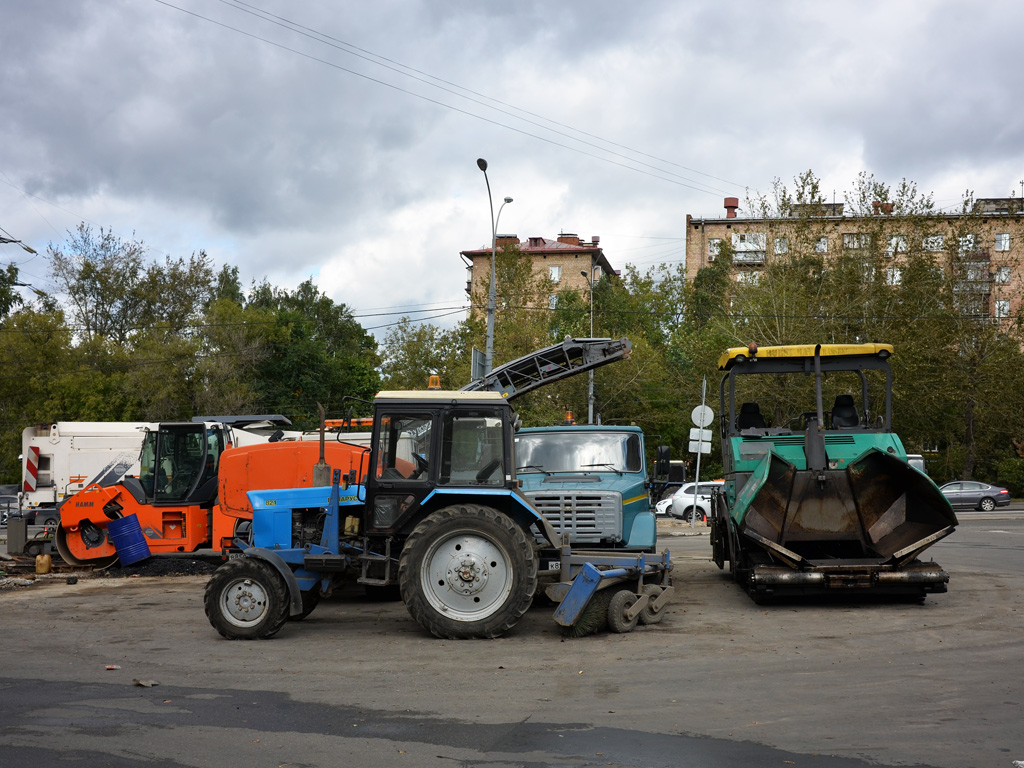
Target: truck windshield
<point>578,452</point>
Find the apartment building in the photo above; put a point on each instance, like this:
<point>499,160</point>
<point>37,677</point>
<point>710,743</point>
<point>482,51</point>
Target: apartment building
<point>565,261</point>
<point>987,243</point>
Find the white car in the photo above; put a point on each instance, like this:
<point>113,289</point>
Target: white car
<point>681,504</point>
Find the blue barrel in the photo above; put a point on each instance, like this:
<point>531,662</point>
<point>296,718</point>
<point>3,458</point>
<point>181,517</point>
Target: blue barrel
<point>126,536</point>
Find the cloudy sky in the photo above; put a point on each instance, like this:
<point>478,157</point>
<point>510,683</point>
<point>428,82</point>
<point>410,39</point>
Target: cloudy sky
<point>338,140</point>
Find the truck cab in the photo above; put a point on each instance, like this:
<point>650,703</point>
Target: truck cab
<point>590,482</point>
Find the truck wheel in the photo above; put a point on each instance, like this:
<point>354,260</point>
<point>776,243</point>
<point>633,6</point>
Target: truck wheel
<point>467,571</point>
<point>621,602</point>
<point>246,599</point>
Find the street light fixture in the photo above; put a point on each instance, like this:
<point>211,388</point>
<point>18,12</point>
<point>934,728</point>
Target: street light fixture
<point>492,294</point>
<point>590,393</point>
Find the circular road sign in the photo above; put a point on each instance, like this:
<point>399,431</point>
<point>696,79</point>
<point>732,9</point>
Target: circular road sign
<point>702,416</point>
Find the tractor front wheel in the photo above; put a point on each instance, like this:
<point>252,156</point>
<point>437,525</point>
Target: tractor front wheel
<point>467,571</point>
<point>246,599</point>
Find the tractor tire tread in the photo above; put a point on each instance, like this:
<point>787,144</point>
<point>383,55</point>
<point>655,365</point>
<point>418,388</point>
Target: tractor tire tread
<point>492,523</point>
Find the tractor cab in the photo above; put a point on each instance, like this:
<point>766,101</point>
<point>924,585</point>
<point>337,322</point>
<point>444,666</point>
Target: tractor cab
<point>425,443</point>
<point>179,463</point>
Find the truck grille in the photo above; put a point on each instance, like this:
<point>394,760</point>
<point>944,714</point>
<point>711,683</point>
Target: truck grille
<point>588,518</point>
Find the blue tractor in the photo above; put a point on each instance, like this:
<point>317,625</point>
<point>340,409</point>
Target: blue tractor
<point>433,507</point>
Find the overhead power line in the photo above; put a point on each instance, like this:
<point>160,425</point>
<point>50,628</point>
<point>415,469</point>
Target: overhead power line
<point>398,67</point>
<point>452,107</point>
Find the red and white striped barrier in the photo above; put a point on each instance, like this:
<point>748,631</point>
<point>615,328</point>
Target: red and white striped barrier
<point>31,469</point>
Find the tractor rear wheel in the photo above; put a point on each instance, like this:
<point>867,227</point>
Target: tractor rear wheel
<point>310,600</point>
<point>246,599</point>
<point>467,571</point>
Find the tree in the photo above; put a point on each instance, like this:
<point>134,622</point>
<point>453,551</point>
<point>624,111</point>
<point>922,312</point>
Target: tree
<point>113,294</point>
<point>317,353</point>
<point>9,298</point>
<point>411,353</point>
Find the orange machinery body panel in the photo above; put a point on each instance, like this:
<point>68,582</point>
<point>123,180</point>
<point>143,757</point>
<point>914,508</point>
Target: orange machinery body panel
<point>272,465</point>
<point>186,528</point>
<point>279,465</point>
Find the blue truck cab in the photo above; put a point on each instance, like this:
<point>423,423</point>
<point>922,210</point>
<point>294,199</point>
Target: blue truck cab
<point>590,482</point>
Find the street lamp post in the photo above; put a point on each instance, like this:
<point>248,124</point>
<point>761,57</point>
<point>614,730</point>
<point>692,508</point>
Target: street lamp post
<point>492,300</point>
<point>590,392</point>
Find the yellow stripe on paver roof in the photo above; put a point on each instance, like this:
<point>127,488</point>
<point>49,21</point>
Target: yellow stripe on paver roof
<point>804,350</point>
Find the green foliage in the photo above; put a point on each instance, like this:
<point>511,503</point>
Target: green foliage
<point>9,298</point>
<point>317,353</point>
<point>169,340</point>
<point>1010,474</point>
<point>412,353</point>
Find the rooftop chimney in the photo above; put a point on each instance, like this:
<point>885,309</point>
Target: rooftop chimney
<point>731,204</point>
<point>569,239</point>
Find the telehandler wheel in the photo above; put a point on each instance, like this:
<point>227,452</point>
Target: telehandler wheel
<point>467,571</point>
<point>621,602</point>
<point>246,599</point>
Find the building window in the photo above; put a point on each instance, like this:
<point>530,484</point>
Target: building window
<point>821,246</point>
<point>967,244</point>
<point>893,276</point>
<point>748,277</point>
<point>897,244</point>
<point>856,242</point>
<point>1002,308</point>
<point>1003,241</point>
<point>1002,275</point>
<point>552,301</point>
<point>714,246</point>
<point>781,245</point>
<point>555,273</point>
<point>977,271</point>
<point>934,243</point>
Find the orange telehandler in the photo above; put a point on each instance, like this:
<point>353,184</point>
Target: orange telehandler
<point>191,489</point>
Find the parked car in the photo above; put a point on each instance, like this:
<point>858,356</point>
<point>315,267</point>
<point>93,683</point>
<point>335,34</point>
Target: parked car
<point>8,507</point>
<point>970,494</point>
<point>682,503</point>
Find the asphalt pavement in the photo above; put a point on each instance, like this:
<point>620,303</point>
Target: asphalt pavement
<point>127,671</point>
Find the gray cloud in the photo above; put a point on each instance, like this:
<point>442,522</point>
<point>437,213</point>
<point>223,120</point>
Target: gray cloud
<point>271,156</point>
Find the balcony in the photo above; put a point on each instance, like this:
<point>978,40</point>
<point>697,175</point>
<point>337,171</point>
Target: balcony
<point>748,258</point>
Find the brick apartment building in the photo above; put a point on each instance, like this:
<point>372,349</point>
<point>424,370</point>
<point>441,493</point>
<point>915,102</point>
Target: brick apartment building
<point>562,261</point>
<point>989,243</point>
